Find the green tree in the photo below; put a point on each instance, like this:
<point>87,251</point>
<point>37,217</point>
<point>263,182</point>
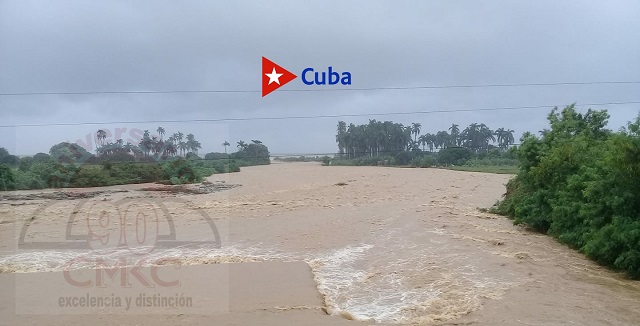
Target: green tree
<point>415,130</point>
<point>7,178</point>
<point>580,183</point>
<point>69,153</point>
<point>161,133</point>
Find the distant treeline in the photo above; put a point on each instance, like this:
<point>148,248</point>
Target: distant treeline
<point>379,138</point>
<point>390,143</point>
<point>580,183</point>
<point>302,158</point>
<point>152,160</point>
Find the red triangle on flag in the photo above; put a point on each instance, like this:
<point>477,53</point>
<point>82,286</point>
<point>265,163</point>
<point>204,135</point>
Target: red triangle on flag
<point>274,76</point>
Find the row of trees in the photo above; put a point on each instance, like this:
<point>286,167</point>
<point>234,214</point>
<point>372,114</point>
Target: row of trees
<point>381,138</point>
<point>153,159</point>
<point>176,144</point>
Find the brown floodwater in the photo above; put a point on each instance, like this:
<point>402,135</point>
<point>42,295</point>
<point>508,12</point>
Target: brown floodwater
<point>390,245</point>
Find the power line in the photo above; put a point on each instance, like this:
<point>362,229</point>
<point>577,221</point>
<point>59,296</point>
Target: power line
<point>309,117</point>
<point>220,91</point>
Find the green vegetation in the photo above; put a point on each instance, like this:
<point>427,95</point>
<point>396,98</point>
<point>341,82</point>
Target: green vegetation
<point>173,161</point>
<point>303,159</point>
<point>476,148</point>
<point>580,183</point>
<point>388,138</point>
<point>497,169</point>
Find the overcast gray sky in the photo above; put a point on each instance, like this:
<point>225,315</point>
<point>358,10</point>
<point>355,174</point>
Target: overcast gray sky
<point>85,46</point>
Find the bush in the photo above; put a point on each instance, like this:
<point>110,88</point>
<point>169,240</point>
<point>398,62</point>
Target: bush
<point>403,158</point>
<point>123,173</point>
<point>216,156</point>
<point>91,177</point>
<point>115,157</point>
<point>7,178</point>
<point>29,180</point>
<point>252,154</point>
<point>580,183</point>
<point>8,159</point>
<point>180,172</point>
<point>69,153</point>
<point>491,162</point>
<point>192,156</point>
<point>454,156</point>
<point>424,161</point>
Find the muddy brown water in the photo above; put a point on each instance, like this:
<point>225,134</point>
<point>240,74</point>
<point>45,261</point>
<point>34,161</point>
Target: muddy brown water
<point>390,245</point>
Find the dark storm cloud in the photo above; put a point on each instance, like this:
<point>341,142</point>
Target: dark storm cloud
<point>80,46</point>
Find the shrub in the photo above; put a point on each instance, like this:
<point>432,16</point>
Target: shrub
<point>7,178</point>
<point>424,161</point>
<point>216,156</point>
<point>181,171</point>
<point>580,183</point>
<point>454,156</point>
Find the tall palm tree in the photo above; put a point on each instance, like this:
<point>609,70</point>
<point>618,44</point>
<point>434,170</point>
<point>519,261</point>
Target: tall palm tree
<point>422,140</point>
<point>340,137</point>
<point>442,139</point>
<point>160,131</point>
<point>225,144</point>
<point>129,148</point>
<point>101,135</point>
<point>183,147</point>
<point>487,135</point>
<point>431,141</point>
<point>504,138</point>
<point>454,131</point>
<point>191,143</point>
<point>415,129</point>
<point>242,145</point>
<point>508,137</point>
<point>196,146</point>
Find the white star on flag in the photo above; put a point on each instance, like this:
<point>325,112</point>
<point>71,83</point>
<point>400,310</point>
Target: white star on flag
<point>274,77</point>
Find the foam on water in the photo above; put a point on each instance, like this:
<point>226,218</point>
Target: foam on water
<point>362,282</point>
<point>363,294</point>
<point>51,261</point>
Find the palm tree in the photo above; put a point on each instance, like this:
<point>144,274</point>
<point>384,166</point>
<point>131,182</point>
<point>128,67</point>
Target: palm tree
<point>454,131</point>
<point>431,141</point>
<point>487,135</point>
<point>415,129</point>
<point>504,138</point>
<point>146,144</point>
<point>160,131</point>
<point>242,145</point>
<point>225,144</point>
<point>257,142</point>
<point>340,137</point>
<point>183,147</point>
<point>195,146</point>
<point>129,148</point>
<point>156,146</point>
<point>508,137</point>
<point>422,140</point>
<point>101,135</point>
<point>191,142</point>
<point>169,150</point>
